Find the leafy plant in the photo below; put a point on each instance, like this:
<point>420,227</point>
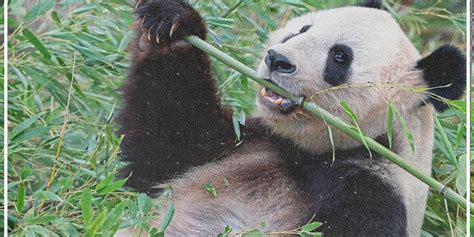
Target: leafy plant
<point>67,61</point>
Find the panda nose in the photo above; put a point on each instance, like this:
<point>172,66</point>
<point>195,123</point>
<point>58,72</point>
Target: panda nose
<point>278,63</point>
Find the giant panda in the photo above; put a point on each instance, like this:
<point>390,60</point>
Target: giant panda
<point>178,133</point>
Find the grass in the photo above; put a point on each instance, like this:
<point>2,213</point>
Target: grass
<point>67,61</point>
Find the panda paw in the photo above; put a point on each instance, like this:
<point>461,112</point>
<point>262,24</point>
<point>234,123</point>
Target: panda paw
<point>164,22</point>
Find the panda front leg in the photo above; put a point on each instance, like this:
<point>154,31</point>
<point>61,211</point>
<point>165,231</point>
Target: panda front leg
<point>172,118</point>
<point>359,201</point>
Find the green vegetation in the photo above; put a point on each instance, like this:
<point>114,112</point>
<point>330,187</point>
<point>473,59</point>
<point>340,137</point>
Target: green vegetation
<point>67,61</point>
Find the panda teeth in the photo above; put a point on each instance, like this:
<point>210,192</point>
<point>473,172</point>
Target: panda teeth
<point>267,93</point>
<point>271,93</point>
<point>278,102</point>
<point>275,99</point>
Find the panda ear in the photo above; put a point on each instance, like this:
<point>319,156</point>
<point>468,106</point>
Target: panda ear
<point>445,72</point>
<point>371,4</point>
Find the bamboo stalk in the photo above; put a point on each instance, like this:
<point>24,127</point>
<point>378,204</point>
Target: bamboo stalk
<point>331,120</point>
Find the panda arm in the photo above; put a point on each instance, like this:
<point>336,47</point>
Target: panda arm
<point>358,202</point>
<point>172,118</point>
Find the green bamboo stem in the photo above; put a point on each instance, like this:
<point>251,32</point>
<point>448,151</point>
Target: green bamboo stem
<point>331,120</point>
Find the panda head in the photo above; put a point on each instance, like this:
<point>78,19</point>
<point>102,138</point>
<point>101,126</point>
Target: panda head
<point>358,55</point>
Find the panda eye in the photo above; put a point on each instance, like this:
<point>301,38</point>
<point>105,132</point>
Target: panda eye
<point>340,57</point>
<point>341,54</point>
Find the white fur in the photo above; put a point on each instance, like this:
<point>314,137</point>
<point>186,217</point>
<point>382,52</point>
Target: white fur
<point>384,57</point>
<point>382,72</point>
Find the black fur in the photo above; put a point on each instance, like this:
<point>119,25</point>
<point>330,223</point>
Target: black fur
<point>302,30</point>
<point>377,4</point>
<point>160,15</point>
<point>348,196</point>
<point>171,116</point>
<point>173,120</point>
<point>445,72</point>
<point>338,72</point>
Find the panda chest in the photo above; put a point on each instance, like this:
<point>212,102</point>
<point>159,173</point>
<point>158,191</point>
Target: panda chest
<point>334,186</point>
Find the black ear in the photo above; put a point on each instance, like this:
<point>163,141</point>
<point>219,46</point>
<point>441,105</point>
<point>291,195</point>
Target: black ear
<point>371,4</point>
<point>445,72</point>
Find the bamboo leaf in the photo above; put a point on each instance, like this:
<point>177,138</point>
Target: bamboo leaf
<point>39,9</point>
<point>37,43</point>
<point>461,176</point>
<point>96,224</point>
<point>86,202</point>
<point>220,22</point>
<point>36,220</point>
<point>154,232</point>
<point>88,53</point>
<point>331,139</point>
<point>20,197</point>
<point>311,226</point>
<point>236,124</point>
<point>112,187</point>
<point>460,134</point>
<point>226,233</point>
<point>56,89</point>
<point>85,8</point>
<point>104,182</point>
<point>144,203</point>
<point>390,125</point>
<point>406,130</point>
<point>444,139</point>
<point>253,233</point>
<point>210,189</point>
<point>114,216</point>
<point>459,105</point>
<point>167,219</point>
<point>347,109</point>
<point>24,125</point>
<point>34,230</point>
<point>56,17</point>
<point>295,3</point>
<point>29,133</point>
<point>125,41</point>
<point>47,196</point>
<point>333,146</point>
<point>310,234</point>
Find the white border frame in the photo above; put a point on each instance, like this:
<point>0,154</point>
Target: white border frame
<point>468,114</point>
<point>5,117</point>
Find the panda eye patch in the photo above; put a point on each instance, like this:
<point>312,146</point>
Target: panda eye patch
<point>338,64</point>
<point>342,54</point>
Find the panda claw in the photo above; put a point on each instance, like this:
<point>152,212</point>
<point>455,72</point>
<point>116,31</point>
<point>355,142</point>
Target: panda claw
<point>149,35</point>
<point>139,2</point>
<point>150,30</point>
<point>143,21</point>
<point>157,39</point>
<point>174,27</point>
